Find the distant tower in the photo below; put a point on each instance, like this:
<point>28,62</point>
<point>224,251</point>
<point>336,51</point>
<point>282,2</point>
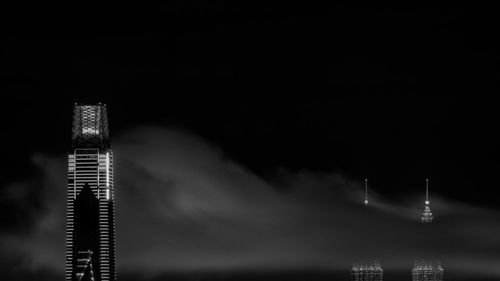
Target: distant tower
<point>425,269</point>
<point>90,227</point>
<point>427,214</point>
<point>367,271</point>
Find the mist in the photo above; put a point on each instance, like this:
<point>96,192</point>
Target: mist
<point>183,205</point>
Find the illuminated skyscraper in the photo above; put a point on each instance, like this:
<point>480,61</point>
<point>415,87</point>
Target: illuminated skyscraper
<point>367,270</point>
<point>425,269</point>
<point>90,231</point>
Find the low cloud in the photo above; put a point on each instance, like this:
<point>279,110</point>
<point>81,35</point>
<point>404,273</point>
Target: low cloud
<point>181,205</point>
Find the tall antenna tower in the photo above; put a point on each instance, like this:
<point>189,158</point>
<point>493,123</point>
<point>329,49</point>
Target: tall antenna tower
<point>427,269</point>
<point>367,270</point>
<point>366,192</point>
<point>427,214</point>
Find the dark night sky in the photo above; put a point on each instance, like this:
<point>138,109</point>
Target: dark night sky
<point>392,95</point>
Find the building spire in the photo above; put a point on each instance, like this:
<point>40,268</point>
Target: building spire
<point>427,214</point>
<point>366,192</point>
<point>427,192</point>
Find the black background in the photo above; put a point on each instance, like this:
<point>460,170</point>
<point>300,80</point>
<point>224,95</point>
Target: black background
<point>395,95</point>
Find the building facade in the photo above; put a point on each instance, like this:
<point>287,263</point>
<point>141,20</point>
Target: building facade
<point>367,271</point>
<point>427,270</point>
<point>90,230</point>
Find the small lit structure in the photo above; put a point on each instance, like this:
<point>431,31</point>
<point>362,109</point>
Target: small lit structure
<point>367,271</point>
<point>425,270</point>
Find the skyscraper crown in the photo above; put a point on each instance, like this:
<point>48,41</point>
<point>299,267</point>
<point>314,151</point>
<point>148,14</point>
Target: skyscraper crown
<point>90,127</point>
